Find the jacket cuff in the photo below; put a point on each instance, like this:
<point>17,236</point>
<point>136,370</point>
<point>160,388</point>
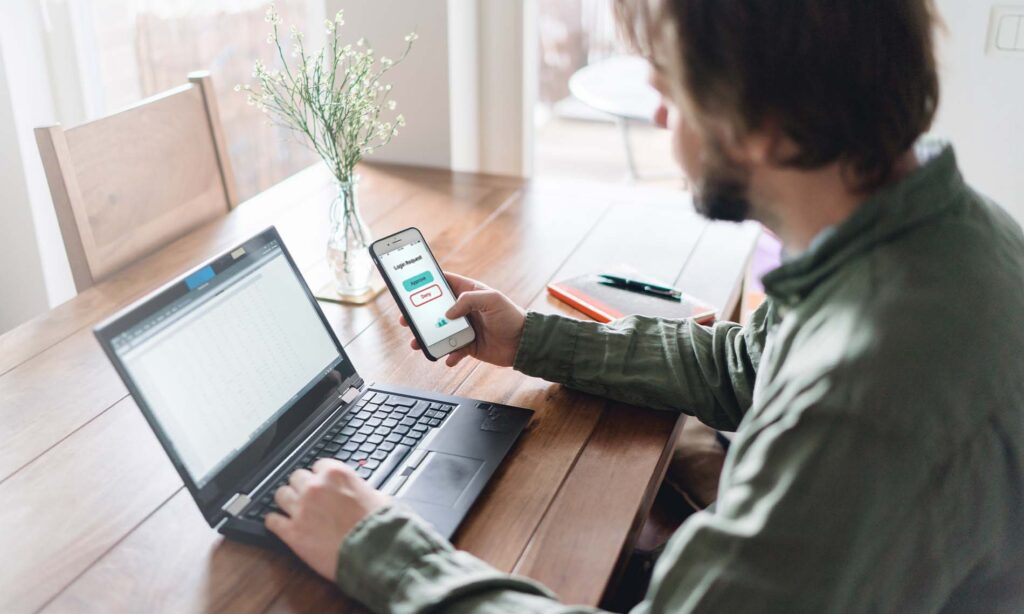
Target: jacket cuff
<point>379,551</point>
<point>548,346</point>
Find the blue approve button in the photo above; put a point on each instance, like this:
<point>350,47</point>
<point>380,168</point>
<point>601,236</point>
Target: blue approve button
<point>418,281</point>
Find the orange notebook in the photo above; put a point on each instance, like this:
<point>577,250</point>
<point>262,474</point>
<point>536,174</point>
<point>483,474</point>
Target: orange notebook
<point>606,303</point>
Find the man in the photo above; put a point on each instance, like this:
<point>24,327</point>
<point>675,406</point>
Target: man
<point>877,397</point>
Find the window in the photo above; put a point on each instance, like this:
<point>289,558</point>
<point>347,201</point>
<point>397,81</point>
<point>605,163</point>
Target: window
<point>142,47</point>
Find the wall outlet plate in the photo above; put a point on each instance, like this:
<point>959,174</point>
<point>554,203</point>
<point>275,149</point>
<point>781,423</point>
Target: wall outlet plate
<point>1006,30</point>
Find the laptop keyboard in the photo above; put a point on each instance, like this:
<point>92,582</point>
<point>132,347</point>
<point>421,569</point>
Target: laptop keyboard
<point>372,438</point>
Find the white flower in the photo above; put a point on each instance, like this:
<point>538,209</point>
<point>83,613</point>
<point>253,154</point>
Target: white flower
<point>339,18</point>
<point>391,105</point>
<point>271,16</point>
<point>410,37</point>
<point>369,151</point>
<point>271,39</point>
<point>360,42</point>
<point>386,62</point>
<point>328,26</point>
<point>238,87</point>
<point>400,120</point>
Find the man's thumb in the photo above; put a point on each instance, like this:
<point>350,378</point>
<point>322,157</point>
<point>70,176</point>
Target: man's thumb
<point>467,303</point>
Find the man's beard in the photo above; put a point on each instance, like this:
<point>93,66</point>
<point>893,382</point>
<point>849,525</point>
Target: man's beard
<point>723,192</point>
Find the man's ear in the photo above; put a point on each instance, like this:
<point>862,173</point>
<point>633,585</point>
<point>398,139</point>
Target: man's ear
<point>763,146</point>
<point>769,144</point>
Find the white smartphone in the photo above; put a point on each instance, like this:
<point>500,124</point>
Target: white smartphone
<point>423,294</point>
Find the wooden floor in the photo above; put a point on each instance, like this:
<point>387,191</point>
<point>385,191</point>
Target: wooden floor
<point>96,519</point>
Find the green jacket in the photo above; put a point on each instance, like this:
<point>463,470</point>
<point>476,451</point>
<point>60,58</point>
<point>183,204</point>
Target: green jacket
<point>878,404</point>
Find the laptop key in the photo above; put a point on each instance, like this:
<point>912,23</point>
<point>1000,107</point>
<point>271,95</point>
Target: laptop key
<point>343,455</point>
<point>394,438</point>
<point>371,464</point>
<point>387,446</point>
<point>401,430</point>
<point>418,409</point>
<point>363,472</point>
<point>374,422</point>
<point>351,446</point>
<point>375,439</point>
<point>367,447</point>
<point>389,464</point>
<point>347,431</point>
<point>409,441</point>
<point>331,448</point>
<point>434,422</point>
<point>407,421</point>
<point>420,428</point>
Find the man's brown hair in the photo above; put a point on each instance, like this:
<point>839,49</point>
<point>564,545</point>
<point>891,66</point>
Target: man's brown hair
<point>852,81</point>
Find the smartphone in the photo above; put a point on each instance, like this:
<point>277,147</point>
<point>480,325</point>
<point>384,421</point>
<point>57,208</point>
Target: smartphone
<point>421,291</point>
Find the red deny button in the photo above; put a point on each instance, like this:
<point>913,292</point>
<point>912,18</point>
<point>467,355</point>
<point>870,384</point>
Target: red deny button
<point>425,295</point>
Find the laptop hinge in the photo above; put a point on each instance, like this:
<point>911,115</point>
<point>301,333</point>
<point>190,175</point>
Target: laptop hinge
<point>350,394</point>
<point>236,504</point>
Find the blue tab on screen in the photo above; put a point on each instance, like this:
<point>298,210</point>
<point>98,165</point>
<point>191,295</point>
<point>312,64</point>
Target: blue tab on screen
<point>199,278</point>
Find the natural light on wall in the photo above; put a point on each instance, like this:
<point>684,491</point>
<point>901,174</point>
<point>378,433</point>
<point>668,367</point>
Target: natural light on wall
<point>141,48</point>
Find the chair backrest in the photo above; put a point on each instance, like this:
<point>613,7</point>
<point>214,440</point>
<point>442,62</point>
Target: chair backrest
<point>125,185</point>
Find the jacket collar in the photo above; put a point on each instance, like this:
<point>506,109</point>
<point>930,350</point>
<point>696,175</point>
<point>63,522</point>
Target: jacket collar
<point>888,213</point>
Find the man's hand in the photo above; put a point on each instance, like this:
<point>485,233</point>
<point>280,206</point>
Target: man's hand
<point>323,506</point>
<point>498,322</point>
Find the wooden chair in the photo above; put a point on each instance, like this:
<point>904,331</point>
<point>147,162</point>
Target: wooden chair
<point>126,185</point>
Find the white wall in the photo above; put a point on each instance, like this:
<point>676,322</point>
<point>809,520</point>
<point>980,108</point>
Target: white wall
<point>420,83</point>
<point>493,76</point>
<point>34,273</point>
<point>982,107</point>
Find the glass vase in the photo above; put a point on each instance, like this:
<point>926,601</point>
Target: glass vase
<point>348,251</point>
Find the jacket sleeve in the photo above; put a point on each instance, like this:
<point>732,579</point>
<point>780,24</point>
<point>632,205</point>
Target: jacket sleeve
<point>798,528</point>
<point>679,365</point>
<point>394,562</point>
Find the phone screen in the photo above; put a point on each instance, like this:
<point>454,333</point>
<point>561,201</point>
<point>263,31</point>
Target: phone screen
<point>423,291</point>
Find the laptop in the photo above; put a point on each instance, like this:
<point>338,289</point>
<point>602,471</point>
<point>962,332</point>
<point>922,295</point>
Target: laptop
<point>243,381</point>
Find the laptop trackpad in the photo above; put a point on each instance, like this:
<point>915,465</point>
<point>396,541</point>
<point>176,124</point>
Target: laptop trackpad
<point>441,478</point>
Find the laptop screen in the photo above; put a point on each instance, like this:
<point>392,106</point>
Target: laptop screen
<point>220,364</point>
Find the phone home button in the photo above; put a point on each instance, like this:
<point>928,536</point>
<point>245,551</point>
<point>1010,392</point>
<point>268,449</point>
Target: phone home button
<point>452,342</point>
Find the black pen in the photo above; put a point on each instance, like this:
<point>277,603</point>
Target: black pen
<point>642,287</point>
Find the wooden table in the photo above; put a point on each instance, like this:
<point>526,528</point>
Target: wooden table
<point>94,517</point>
